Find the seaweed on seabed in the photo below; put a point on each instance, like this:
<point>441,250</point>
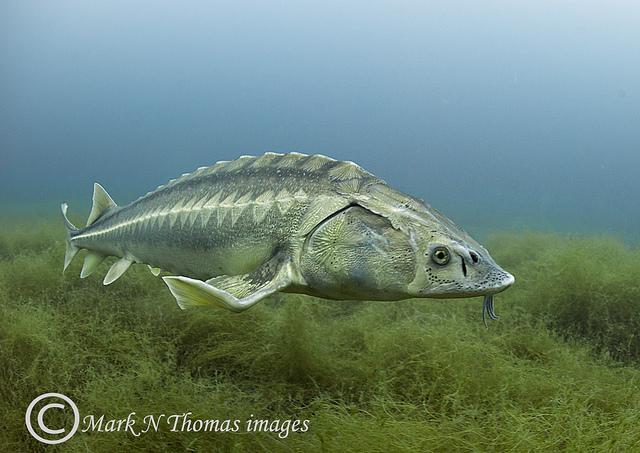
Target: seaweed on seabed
<point>584,288</point>
<point>415,375</point>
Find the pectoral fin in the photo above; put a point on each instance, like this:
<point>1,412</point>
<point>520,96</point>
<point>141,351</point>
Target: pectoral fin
<point>235,293</point>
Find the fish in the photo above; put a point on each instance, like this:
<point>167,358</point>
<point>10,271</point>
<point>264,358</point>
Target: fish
<point>232,234</point>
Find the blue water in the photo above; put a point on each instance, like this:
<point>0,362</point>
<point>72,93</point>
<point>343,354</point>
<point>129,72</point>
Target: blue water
<point>504,115</point>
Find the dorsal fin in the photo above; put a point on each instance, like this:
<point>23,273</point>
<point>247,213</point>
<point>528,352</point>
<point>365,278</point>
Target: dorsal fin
<point>101,203</point>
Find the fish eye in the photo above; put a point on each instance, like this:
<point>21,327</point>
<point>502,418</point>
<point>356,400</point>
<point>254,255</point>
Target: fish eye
<point>440,255</point>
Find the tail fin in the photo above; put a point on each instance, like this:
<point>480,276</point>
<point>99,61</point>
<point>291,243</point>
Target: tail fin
<point>71,249</point>
<point>102,203</point>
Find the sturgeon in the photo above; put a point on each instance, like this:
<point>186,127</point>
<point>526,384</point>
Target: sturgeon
<point>234,233</point>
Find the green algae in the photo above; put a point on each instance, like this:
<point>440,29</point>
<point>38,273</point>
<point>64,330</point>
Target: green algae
<point>559,370</point>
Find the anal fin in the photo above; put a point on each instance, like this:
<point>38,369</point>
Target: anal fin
<point>235,293</point>
<point>117,269</point>
<point>91,263</point>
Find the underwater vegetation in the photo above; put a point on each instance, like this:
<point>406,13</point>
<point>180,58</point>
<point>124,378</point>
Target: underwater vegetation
<point>559,370</point>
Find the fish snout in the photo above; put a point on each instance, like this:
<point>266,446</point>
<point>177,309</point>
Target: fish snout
<point>507,280</point>
<point>478,266</point>
<point>499,280</point>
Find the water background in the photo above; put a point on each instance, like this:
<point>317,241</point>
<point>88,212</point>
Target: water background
<point>504,115</point>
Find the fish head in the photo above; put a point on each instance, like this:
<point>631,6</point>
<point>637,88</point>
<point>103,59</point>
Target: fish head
<point>451,264</point>
<point>448,262</point>
<point>358,254</point>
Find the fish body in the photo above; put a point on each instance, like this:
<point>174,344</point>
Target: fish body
<point>235,232</point>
